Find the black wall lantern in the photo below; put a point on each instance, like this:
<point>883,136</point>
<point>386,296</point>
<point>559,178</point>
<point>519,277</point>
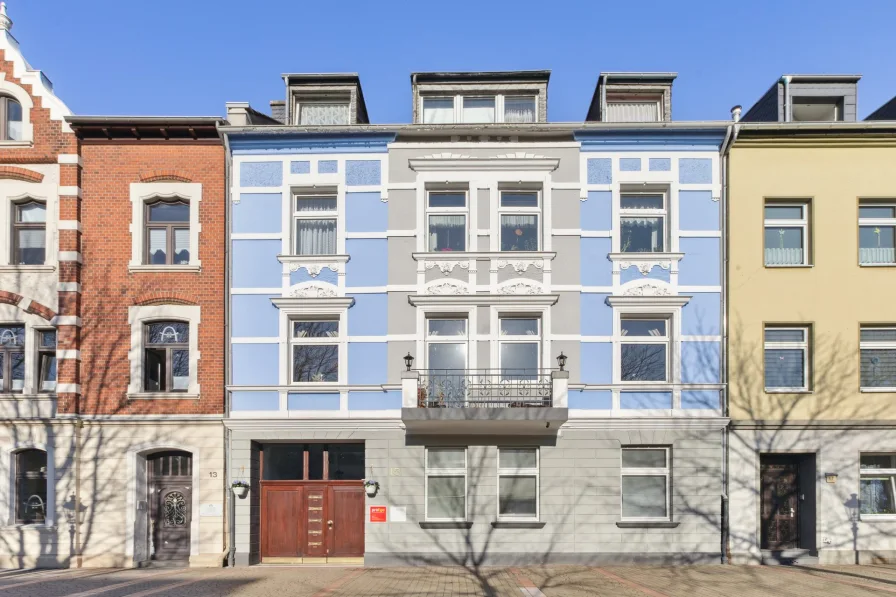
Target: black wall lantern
<point>408,361</point>
<point>561,360</point>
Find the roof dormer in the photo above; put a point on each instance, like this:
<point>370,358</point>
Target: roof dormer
<point>632,97</point>
<point>513,97</point>
<point>324,99</point>
<point>807,98</point>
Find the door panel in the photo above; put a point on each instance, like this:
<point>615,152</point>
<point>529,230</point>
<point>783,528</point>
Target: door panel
<point>346,508</point>
<point>282,527</point>
<point>779,484</point>
<point>316,521</point>
<point>171,520</point>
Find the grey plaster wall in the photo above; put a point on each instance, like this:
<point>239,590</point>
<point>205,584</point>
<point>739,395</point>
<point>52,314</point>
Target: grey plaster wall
<point>402,269</point>
<point>566,266</point>
<point>402,209</point>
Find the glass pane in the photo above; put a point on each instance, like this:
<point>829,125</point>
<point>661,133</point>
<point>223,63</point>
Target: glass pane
<point>868,334</point>
<point>181,246</point>
<point>315,204</point>
<point>283,462</point>
<point>346,461</point>
<point>783,212</point>
<point>17,362</point>
<point>877,211</point>
<point>447,327</point>
<point>519,232</point>
<point>438,110</point>
<point>158,246</point>
<point>12,335</point>
<point>644,497</point>
<point>155,373</point>
<point>509,199</point>
<point>47,372</point>
<point>645,111</point>
<point>315,462</point>
<point>31,246</point>
<point>878,368</point>
<point>519,359</point>
<point>31,213</point>
<point>48,339</point>
<point>784,368</point>
<point>784,246</point>
<point>168,332</point>
<point>519,327</point>
<point>315,363</point>
<point>877,244</point>
<point>445,497</point>
<point>642,235</point>
<point>877,461</point>
<point>646,458</point>
<point>641,202</point>
<point>519,109</point>
<point>445,458</point>
<point>169,212</point>
<point>316,237</point>
<point>323,114</point>
<point>2,369</point>
<point>446,356</point>
<point>447,233</point>
<point>779,335</point>
<point>31,500</point>
<point>876,495</point>
<point>13,120</point>
<point>315,329</point>
<point>517,458</point>
<point>643,362</point>
<point>643,327</point>
<point>31,463</point>
<point>479,109</point>
<point>180,369</point>
<point>447,199</point>
<point>518,496</point>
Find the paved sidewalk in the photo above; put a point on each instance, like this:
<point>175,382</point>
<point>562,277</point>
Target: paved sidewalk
<point>538,581</point>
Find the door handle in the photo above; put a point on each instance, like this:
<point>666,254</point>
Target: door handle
<point>330,523</point>
<point>791,512</point>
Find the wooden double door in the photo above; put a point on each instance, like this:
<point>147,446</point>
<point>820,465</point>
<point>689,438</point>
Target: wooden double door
<point>312,519</point>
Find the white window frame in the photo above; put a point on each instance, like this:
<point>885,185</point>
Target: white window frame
<point>446,472</point>
<point>309,341</point>
<point>458,102</point>
<point>297,216</point>
<point>802,224</point>
<point>875,345</point>
<point>148,192</point>
<point>877,473</point>
<point>803,345</point>
<point>138,317</point>
<point>35,334</point>
<point>505,97</point>
<point>24,98</point>
<point>463,340</point>
<point>647,472</point>
<point>517,339</point>
<point>448,211</point>
<point>877,222</point>
<point>536,211</point>
<point>520,472</point>
<point>438,97</point>
<point>646,213</point>
<point>652,340</point>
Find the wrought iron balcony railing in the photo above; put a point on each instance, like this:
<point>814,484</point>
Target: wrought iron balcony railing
<point>494,388</point>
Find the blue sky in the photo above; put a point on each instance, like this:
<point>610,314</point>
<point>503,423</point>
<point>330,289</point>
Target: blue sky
<point>188,57</point>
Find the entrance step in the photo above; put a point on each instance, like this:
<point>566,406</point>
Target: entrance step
<point>789,557</point>
<point>269,561</point>
<point>165,564</point>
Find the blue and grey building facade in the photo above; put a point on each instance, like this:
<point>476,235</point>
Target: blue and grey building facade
<point>514,327</point>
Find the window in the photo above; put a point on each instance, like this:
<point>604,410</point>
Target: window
<point>786,234</point>
<point>325,462</point>
<point>167,356</point>
<point>642,218</point>
<point>168,232</point>
<point>11,128</point>
<point>29,237</point>
<point>315,218</point>
<point>877,348</point>
<point>519,221</point>
<point>518,483</point>
<point>12,358</point>
<point>645,483</point>
<point>519,109</point>
<point>446,484</point>
<point>806,109</point>
<point>323,113</point>
<point>438,110</point>
<point>447,220</point>
<point>315,350</point>
<point>877,234</point>
<point>786,358</point>
<point>478,110</point>
<point>446,344</point>
<point>644,350</point>
<point>31,486</point>
<point>519,348</point>
<point>46,360</point>
<point>633,108</point>
<point>877,484</point>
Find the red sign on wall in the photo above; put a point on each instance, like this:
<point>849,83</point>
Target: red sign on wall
<point>377,514</point>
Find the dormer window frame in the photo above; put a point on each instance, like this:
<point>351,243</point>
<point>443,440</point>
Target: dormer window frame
<point>327,99</point>
<point>459,97</point>
<point>618,98</point>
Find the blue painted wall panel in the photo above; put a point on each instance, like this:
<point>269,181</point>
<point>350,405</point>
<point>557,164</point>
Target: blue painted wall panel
<point>600,171</point>
<point>368,265</point>
<point>700,362</point>
<point>702,315</point>
<point>365,212</point>
<point>255,364</point>
<point>326,275</point>
<point>695,170</point>
<point>254,315</point>
<point>691,399</point>
<point>362,172</point>
<point>369,315</point>
<point>258,212</point>
<point>597,315</point>
<point>633,273</point>
<point>597,363</point>
<point>642,400</point>
<point>261,174</point>
<point>697,211</point>
<point>701,262</point>
<point>597,270</point>
<point>255,264</point>
<point>630,164</point>
<point>367,363</point>
<point>254,401</point>
<point>374,400</point>
<point>660,164</point>
<point>327,167</point>
<point>312,401</point>
<point>303,167</point>
<point>592,400</point>
<point>597,212</point>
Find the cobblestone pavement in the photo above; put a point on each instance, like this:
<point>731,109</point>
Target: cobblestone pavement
<point>541,581</point>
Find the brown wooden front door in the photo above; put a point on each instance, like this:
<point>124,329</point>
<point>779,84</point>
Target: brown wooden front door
<point>282,530</point>
<point>345,527</point>
<point>779,486</point>
<point>171,504</point>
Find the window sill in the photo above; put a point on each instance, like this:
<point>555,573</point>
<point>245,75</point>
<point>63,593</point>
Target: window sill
<point>645,256</point>
<point>164,268</point>
<point>877,390</point>
<point>163,396</point>
<point>877,265</point>
<point>31,525</point>
<point>449,524</point>
<point>27,268</point>
<point>518,524</point>
<point>6,144</point>
<point>13,396</point>
<point>804,266</point>
<point>647,524</point>
<point>786,391</point>
<point>878,517</point>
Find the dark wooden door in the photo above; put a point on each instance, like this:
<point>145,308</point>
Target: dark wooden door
<point>282,531</point>
<point>345,532</point>
<point>779,504</point>
<point>171,504</point>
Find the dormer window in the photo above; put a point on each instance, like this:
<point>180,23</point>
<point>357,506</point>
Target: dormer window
<point>633,108</point>
<point>806,109</point>
<point>11,128</point>
<point>316,113</point>
<point>479,109</point>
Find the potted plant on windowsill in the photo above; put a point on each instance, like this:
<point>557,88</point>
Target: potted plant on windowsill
<point>371,487</point>
<point>240,489</point>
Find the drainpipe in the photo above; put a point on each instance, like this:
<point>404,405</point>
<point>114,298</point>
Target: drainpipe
<point>788,108</point>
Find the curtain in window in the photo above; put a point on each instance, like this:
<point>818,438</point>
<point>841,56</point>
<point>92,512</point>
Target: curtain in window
<point>877,496</point>
<point>519,233</point>
<point>642,234</point>
<point>519,110</point>
<point>181,246</point>
<point>877,255</point>
<point>878,368</point>
<point>316,237</point>
<point>783,256</point>
<point>14,128</point>
<point>643,496</point>
<point>158,245</point>
<point>33,239</point>
<point>316,204</point>
<point>479,109</point>
<point>784,368</point>
<point>438,111</point>
<point>33,212</point>
<point>446,232</point>
<point>632,112</point>
<point>311,114</point>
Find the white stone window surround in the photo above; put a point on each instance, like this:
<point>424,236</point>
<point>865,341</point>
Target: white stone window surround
<point>138,317</point>
<point>146,192</point>
<point>34,324</point>
<point>20,95</point>
<point>8,489</point>
<point>438,189</point>
<point>332,308</point>
<point>13,192</point>
<point>537,211</point>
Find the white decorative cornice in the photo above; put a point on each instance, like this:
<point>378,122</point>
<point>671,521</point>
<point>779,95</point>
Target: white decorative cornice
<point>314,263</point>
<point>521,286</point>
<point>483,300</point>
<point>294,304</point>
<point>644,266</point>
<point>467,255</point>
<point>648,289</point>
<point>643,261</point>
<point>521,265</point>
<point>447,266</point>
<point>448,287</point>
<point>519,160</point>
<point>653,301</point>
<point>311,290</point>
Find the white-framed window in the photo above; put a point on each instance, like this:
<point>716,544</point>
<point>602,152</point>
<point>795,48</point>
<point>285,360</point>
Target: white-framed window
<point>643,222</point>
<point>479,108</point>
<point>446,343</point>
<point>518,484</point>
<point>877,233</point>
<point>811,109</point>
<point>446,484</point>
<point>438,110</point>
<point>29,232</point>
<point>446,220</point>
<point>634,108</point>
<point>519,213</point>
<point>519,347</point>
<point>786,233</point>
<point>322,112</point>
<point>315,223</point>
<point>164,351</point>
<point>787,358</point>
<point>46,360</point>
<point>520,108</point>
<point>11,128</point>
<point>646,483</point>
<point>644,350</point>
<point>877,485</point>
<point>877,355</point>
<point>314,348</point>
<point>165,226</point>
<point>12,358</point>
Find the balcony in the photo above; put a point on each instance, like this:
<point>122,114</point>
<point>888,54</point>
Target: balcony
<point>531,401</point>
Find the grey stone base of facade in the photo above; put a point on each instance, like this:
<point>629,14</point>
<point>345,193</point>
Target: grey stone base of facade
<point>534,559</point>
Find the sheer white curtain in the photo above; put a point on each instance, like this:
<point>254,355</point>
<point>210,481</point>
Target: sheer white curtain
<point>783,256</point>
<point>438,110</point>
<point>316,237</point>
<point>519,109</point>
<point>445,231</point>
<point>632,112</point>
<point>479,109</point>
<point>312,113</point>
<point>877,255</point>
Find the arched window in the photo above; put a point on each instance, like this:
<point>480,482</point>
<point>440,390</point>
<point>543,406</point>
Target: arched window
<point>29,237</point>
<point>11,128</point>
<point>167,356</point>
<point>31,486</point>
<point>167,232</point>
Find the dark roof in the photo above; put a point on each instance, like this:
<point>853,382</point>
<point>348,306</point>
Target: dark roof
<point>885,112</point>
<point>253,116</point>
<point>476,76</point>
<point>146,127</point>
